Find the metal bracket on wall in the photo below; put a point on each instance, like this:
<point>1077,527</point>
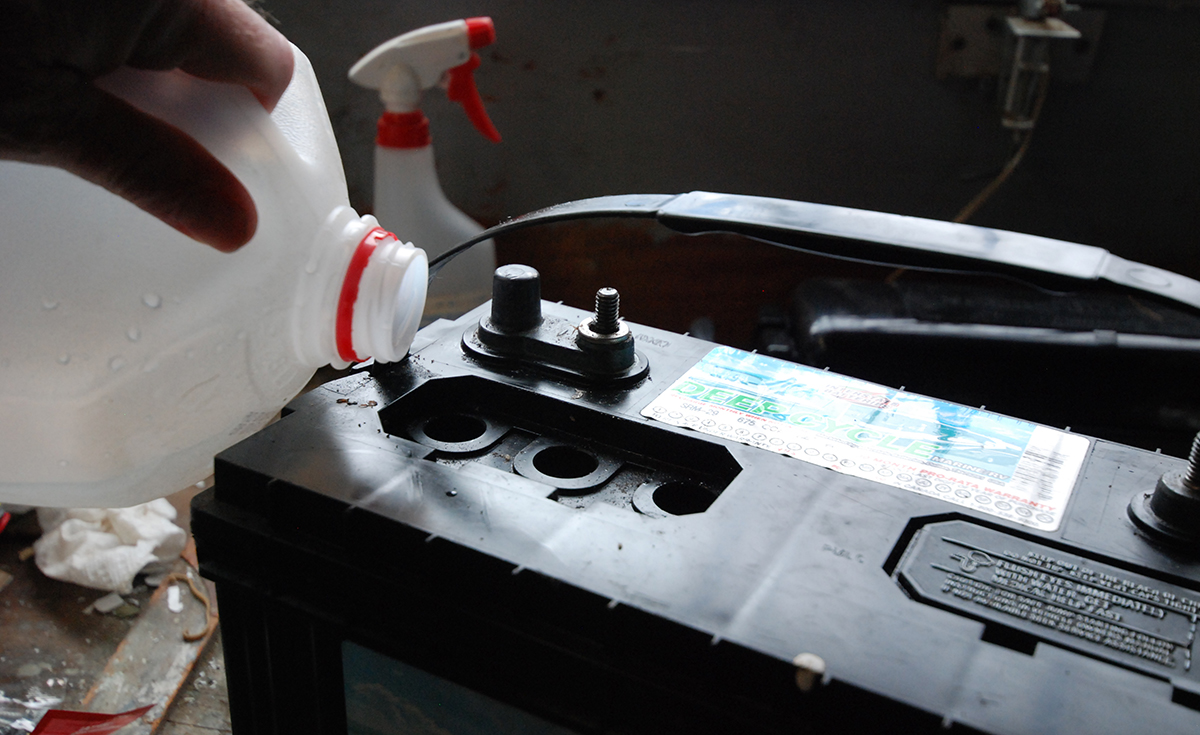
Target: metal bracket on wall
<point>974,41</point>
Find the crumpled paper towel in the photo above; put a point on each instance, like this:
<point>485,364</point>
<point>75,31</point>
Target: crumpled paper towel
<point>105,548</point>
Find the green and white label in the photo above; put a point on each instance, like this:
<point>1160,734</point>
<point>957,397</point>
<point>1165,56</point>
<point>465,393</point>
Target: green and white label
<point>1005,467</point>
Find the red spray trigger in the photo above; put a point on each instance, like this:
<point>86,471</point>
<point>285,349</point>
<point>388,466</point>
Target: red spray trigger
<point>461,89</point>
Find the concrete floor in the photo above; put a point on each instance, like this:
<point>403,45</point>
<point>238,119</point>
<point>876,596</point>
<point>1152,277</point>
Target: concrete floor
<point>52,651</point>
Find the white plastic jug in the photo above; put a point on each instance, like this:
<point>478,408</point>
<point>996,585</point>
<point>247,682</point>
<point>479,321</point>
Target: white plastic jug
<point>131,354</point>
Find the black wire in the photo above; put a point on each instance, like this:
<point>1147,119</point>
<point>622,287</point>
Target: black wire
<point>440,261</point>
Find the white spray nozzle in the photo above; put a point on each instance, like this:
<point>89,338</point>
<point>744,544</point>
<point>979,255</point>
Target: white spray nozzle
<point>443,54</point>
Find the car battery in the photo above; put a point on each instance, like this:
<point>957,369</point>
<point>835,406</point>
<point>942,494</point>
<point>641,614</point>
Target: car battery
<point>547,520</point>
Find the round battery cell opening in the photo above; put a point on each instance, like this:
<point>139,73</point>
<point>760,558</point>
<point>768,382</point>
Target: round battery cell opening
<point>454,428</point>
<point>566,463</point>
<point>682,498</point>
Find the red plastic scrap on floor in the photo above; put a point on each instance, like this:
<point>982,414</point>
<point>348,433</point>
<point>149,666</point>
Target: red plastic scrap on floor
<point>66,722</point>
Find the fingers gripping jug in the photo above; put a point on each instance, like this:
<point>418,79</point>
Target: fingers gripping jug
<point>132,354</point>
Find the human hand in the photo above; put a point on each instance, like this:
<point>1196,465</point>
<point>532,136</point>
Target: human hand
<point>52,114</point>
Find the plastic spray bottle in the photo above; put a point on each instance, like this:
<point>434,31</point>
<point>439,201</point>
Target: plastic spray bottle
<point>408,196</point>
<point>132,354</point>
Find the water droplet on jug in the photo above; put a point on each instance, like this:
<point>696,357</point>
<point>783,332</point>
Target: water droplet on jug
<point>152,300</point>
<point>116,363</point>
<point>64,358</point>
<point>311,268</point>
<point>49,304</point>
<point>63,463</point>
<point>134,334</point>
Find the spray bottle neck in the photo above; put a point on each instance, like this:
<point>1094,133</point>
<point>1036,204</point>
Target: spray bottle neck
<point>403,130</point>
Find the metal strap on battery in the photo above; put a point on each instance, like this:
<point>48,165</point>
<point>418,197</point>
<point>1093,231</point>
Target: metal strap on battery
<point>897,238</point>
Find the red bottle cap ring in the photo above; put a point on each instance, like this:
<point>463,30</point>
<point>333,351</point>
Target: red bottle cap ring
<point>344,325</point>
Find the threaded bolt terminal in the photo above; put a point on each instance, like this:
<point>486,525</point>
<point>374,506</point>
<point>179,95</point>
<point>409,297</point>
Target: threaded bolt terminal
<point>1171,513</point>
<point>608,312</point>
<point>1191,476</point>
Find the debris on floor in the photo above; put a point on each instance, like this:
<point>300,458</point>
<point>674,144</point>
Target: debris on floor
<point>69,722</point>
<point>65,659</point>
<point>108,603</point>
<point>106,548</point>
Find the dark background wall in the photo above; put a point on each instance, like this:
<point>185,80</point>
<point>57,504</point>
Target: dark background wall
<point>823,100</point>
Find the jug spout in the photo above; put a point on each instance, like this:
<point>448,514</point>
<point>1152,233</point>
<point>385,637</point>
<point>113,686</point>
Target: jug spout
<point>361,295</point>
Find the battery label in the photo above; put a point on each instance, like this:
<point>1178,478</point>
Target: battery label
<point>1005,467</point>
